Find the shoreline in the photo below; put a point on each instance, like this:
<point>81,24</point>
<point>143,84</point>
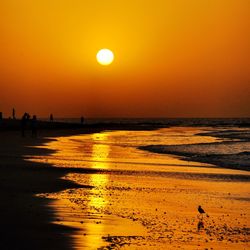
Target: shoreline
<point>227,161</point>
<point>130,124</point>
<point>193,152</point>
<point>27,218</point>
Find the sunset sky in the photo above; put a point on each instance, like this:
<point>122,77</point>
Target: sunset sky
<point>173,58</point>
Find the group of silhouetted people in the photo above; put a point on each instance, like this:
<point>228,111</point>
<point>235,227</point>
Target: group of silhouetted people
<point>30,123</point>
<point>26,121</point>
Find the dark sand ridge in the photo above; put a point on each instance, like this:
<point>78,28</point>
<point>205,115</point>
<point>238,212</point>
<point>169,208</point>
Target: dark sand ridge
<point>26,219</point>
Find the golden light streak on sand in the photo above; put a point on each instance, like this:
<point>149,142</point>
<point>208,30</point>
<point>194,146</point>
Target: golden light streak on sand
<point>98,197</point>
<point>100,153</point>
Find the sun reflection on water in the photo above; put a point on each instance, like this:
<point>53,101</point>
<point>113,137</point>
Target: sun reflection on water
<point>98,197</point>
<point>100,154</point>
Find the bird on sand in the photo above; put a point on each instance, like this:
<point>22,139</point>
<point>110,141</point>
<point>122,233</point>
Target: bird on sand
<point>201,210</point>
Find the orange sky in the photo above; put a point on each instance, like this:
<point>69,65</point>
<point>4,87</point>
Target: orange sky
<point>173,58</point>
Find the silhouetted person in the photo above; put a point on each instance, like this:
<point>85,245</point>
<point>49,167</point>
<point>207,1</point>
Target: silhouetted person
<point>1,118</point>
<point>82,119</point>
<point>27,116</point>
<point>24,124</point>
<point>34,126</point>
<point>51,118</point>
<point>13,114</point>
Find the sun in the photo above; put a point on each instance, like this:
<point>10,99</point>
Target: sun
<point>105,56</point>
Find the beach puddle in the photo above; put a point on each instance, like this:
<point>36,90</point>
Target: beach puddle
<point>134,199</point>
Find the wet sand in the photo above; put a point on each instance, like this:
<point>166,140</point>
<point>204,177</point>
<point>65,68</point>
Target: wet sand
<point>28,220</point>
<point>66,196</point>
<point>142,200</point>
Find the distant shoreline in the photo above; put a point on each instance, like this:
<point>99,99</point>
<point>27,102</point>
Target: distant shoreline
<point>15,125</point>
<point>126,124</point>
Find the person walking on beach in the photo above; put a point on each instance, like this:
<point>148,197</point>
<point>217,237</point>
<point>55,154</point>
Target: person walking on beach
<point>51,118</point>
<point>34,126</point>
<point>13,114</point>
<point>82,119</point>
<point>24,124</point>
<point>1,118</point>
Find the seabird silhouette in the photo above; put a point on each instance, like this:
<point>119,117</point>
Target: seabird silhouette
<point>200,210</point>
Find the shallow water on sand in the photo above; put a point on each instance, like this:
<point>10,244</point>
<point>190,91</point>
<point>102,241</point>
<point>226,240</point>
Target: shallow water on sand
<point>143,200</point>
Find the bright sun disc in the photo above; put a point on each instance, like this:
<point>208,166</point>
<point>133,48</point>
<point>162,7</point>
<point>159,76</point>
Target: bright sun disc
<point>105,56</point>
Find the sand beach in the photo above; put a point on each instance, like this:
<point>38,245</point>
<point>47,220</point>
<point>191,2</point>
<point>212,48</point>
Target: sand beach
<point>98,189</point>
